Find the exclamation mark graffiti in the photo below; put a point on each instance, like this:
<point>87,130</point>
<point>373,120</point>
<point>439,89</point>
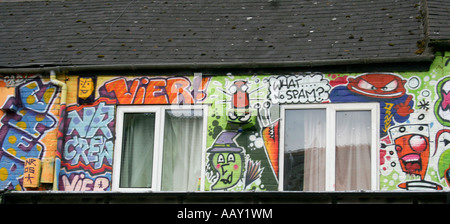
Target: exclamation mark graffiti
<point>199,86</point>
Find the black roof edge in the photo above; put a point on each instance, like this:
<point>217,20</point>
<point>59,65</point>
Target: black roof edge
<point>403,197</point>
<point>337,64</point>
<point>443,45</point>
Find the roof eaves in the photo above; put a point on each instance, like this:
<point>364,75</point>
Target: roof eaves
<point>215,65</point>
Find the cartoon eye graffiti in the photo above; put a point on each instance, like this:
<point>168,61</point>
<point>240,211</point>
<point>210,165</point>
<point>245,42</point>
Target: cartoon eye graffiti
<point>220,159</point>
<point>390,86</point>
<point>418,143</point>
<point>398,148</point>
<point>244,88</point>
<point>233,89</point>
<point>363,84</point>
<point>230,157</point>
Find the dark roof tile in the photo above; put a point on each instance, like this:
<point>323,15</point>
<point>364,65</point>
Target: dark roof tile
<point>439,19</point>
<point>76,32</point>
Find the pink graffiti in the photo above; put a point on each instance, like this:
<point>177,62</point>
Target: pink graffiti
<point>79,182</point>
<point>446,100</point>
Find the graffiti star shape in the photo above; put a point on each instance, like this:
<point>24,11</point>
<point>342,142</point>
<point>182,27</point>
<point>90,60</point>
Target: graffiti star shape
<point>424,105</point>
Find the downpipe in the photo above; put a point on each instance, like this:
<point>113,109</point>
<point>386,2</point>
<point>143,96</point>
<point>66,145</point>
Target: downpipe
<point>60,135</point>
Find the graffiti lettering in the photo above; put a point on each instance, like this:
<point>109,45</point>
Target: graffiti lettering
<point>89,136</point>
<point>307,88</point>
<point>388,116</point>
<point>26,121</point>
<point>31,172</point>
<point>79,182</point>
<point>15,79</point>
<point>92,120</point>
<point>174,90</point>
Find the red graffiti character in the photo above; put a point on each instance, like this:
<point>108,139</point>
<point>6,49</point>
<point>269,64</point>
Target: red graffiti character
<point>412,145</point>
<point>240,101</point>
<point>383,85</point>
<point>240,95</point>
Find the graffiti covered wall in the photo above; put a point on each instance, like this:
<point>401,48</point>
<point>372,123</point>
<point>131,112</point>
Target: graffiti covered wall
<point>87,158</point>
<point>242,152</point>
<point>28,124</point>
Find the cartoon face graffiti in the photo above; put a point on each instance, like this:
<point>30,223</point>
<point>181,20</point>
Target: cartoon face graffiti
<point>227,159</point>
<point>240,102</point>
<point>229,166</point>
<point>85,87</point>
<point>240,94</point>
<point>380,85</point>
<point>413,147</point>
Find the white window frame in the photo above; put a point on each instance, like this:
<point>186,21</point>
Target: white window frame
<point>159,111</point>
<point>330,159</point>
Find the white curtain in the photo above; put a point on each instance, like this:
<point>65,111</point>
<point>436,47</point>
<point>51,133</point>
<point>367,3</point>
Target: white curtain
<point>137,150</point>
<point>315,143</point>
<point>353,135</point>
<point>305,150</point>
<point>182,150</point>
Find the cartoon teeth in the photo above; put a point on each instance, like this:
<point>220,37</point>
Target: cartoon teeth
<point>411,158</point>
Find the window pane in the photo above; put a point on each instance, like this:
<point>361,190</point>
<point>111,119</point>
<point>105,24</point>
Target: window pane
<point>353,137</point>
<point>304,150</point>
<point>182,151</point>
<point>137,150</point>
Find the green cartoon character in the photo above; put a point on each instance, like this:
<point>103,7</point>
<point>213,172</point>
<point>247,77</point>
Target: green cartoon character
<point>228,160</point>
